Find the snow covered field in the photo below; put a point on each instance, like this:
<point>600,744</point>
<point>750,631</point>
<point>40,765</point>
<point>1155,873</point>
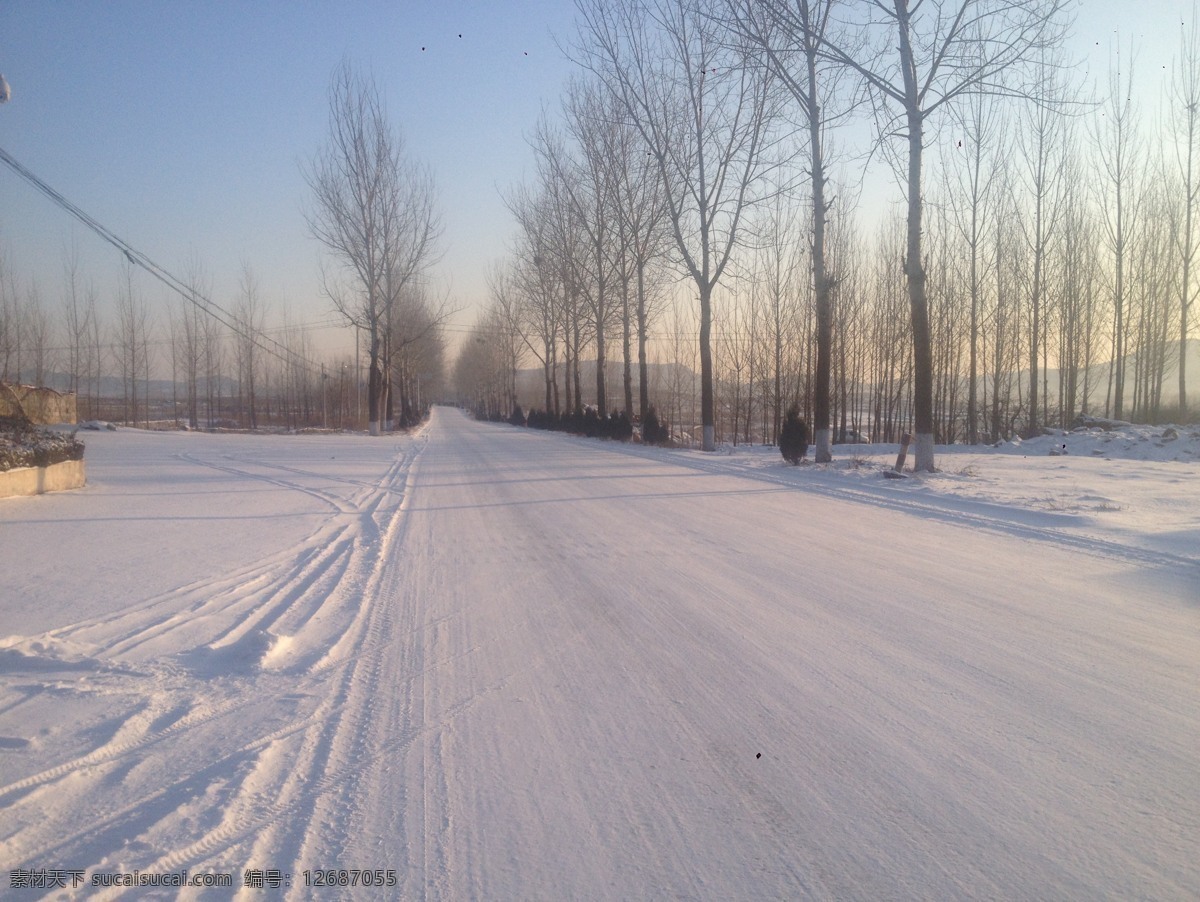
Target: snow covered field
<point>489,663</point>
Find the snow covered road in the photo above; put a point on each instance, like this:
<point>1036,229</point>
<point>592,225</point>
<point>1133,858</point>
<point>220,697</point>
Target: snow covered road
<point>504,664</point>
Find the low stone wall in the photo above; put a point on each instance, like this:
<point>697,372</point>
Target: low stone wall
<point>43,406</point>
<point>70,474</point>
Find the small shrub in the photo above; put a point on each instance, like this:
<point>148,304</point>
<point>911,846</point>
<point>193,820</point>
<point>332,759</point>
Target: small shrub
<point>31,447</point>
<point>517,417</point>
<point>793,437</point>
<point>654,431</point>
<point>591,423</point>
<point>622,427</point>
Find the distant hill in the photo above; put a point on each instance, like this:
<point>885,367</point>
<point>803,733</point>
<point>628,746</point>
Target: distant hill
<point>1097,377</point>
<point>114,387</point>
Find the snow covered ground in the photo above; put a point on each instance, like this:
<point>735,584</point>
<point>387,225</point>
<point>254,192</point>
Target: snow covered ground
<point>486,662</point>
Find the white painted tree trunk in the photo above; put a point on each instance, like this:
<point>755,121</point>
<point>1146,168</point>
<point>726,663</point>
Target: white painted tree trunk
<point>923,462</point>
<point>823,445</point>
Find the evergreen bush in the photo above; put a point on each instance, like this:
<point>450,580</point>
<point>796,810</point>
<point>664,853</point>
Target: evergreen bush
<point>591,423</point>
<point>622,427</point>
<point>654,431</point>
<point>793,437</point>
<point>24,445</point>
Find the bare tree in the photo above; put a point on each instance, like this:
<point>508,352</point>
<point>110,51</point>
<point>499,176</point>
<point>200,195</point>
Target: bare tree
<point>890,365</point>
<point>643,241</point>
<point>587,184</point>
<point>416,349</point>
<point>131,342</point>
<point>849,375</point>
<point>374,211</point>
<point>94,355</point>
<point>973,171</point>
<point>737,339</point>
<point>213,341</point>
<point>1120,155</point>
<point>1043,140</point>
<point>506,319</point>
<point>1077,286</point>
<point>1152,297</point>
<point>37,327</point>
<point>191,336</point>
<point>482,375</point>
<point>790,35</point>
<point>1185,118</point>
<point>917,57</point>
<point>704,116</point>
<point>76,313</point>
<point>777,265</point>
<point>535,277</point>
<point>559,247</point>
<point>615,206</point>
<point>9,319</point>
<point>249,319</point>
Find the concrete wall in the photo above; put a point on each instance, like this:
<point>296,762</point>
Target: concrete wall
<point>70,474</point>
<point>44,406</point>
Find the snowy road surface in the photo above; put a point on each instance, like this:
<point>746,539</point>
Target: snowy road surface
<point>506,665</point>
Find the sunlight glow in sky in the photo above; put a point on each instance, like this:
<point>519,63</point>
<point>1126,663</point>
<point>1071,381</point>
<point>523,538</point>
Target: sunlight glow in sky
<point>182,126</point>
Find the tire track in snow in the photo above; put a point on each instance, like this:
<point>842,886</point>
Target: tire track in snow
<point>203,597</point>
<point>366,490</point>
<point>331,742</point>
<point>194,701</point>
<point>259,603</point>
<point>245,472</point>
<point>371,731</point>
<point>284,574</point>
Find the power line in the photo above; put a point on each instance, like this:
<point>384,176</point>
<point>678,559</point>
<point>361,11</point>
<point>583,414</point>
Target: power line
<point>137,258</point>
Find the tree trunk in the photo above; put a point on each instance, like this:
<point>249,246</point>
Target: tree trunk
<point>601,368</point>
<point>707,405</point>
<point>627,347</point>
<point>914,271</point>
<point>1185,293</point>
<point>374,387</point>
<point>823,451</point>
<point>643,365</point>
<point>577,339</point>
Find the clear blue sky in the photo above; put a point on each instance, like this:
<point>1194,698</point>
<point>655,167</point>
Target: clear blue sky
<point>181,124</point>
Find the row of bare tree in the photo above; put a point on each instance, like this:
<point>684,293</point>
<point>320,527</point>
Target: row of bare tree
<point>373,209</point>
<point>128,363</point>
<point>67,346</point>
<point>1045,238</point>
